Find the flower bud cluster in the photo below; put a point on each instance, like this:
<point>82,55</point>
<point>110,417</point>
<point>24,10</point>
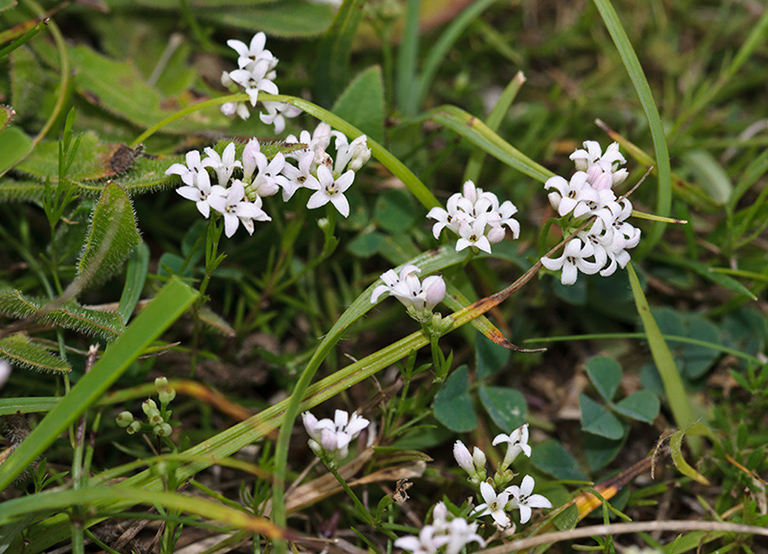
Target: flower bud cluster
<point>329,439</point>
<point>476,217</point>
<point>419,298</point>
<point>157,418</point>
<point>242,183</point>
<point>602,246</point>
<point>256,73</point>
<point>445,531</point>
<point>512,497</point>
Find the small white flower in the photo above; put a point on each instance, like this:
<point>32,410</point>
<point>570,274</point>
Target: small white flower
<point>523,499</point>
<point>450,218</point>
<point>330,190</point>
<point>428,541</point>
<point>575,258</point>
<point>409,290</point>
<point>223,165</point>
<point>317,143</point>
<point>473,234</point>
<point>298,177</point>
<point>249,54</point>
<point>276,114</point>
<point>187,172</point>
<point>199,191</point>
<point>265,182</point>
<point>331,438</point>
<point>236,209</point>
<point>494,505</point>
<point>460,534</point>
<point>232,108</point>
<point>572,196</point>
<point>351,155</point>
<point>517,442</point>
<point>257,78</point>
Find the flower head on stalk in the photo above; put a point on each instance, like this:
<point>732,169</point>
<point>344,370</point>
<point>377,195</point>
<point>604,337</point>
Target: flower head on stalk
<point>330,439</point>
<point>419,298</point>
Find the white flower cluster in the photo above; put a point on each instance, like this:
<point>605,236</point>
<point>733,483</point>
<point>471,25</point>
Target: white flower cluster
<point>329,439</point>
<point>476,217</point>
<point>453,534</point>
<point>238,195</point>
<point>415,295</point>
<point>510,498</point>
<point>256,73</point>
<point>603,245</point>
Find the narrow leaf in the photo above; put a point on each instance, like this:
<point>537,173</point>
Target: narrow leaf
<point>676,450</point>
<point>169,304</point>
<point>677,398</point>
<point>27,354</point>
<point>334,51</point>
<point>136,275</point>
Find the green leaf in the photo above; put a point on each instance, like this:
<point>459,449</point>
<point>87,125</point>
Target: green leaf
<point>506,407</point>
<point>14,145</point>
<point>334,50</point>
<point>642,406</point>
<point>453,405</point>
<point>286,18</point>
<point>27,405</point>
<point>112,236</point>
<point>366,245</point>
<point>643,89</point>
<point>489,356</point>
<point>597,420</point>
<point>394,211</point>
<point>6,116</point>
<point>94,159</point>
<point>605,374</point>
<point>707,171</point>
<point>27,83</point>
<point>551,457</point>
<point>6,4</point>
<point>676,451</point>
<point>136,275</point>
<point>119,88</point>
<point>106,325</point>
<point>662,357</point>
<point>600,451</point>
<point>362,103</point>
<point>170,303</point>
<point>27,354</point>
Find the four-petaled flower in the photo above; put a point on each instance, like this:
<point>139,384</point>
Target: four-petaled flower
<point>330,189</point>
<point>517,442</point>
<point>523,499</point>
<point>495,505</point>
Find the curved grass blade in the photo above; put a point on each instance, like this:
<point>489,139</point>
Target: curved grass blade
<point>632,64</point>
<point>479,134</point>
<point>168,305</point>
<point>136,275</point>
<point>677,398</point>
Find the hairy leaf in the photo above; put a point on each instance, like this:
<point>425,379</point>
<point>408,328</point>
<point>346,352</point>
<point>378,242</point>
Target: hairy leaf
<point>112,236</point>
<point>24,353</point>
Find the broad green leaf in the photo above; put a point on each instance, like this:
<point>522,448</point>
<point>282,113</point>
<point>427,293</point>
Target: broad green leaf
<point>286,18</point>
<point>694,359</point>
<point>6,4</point>
<point>27,83</point>
<point>605,374</point>
<point>641,405</point>
<point>395,211</point>
<point>168,305</point>
<point>551,457</point>
<point>506,406</point>
<point>6,115</point>
<point>112,236</point>
<point>70,315</point>
<point>665,363</point>
<point>710,174</point>
<point>600,451</point>
<point>453,405</point>
<point>599,421</point>
<point>489,356</point>
<point>118,87</point>
<point>362,103</point>
<point>366,245</point>
<point>14,145</point>
<point>27,354</point>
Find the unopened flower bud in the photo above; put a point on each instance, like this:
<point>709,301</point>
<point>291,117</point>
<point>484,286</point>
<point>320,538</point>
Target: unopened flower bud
<point>162,430</point>
<point>149,407</point>
<point>165,393</point>
<point>434,291</point>
<point>463,457</point>
<point>124,419</point>
<point>134,427</point>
